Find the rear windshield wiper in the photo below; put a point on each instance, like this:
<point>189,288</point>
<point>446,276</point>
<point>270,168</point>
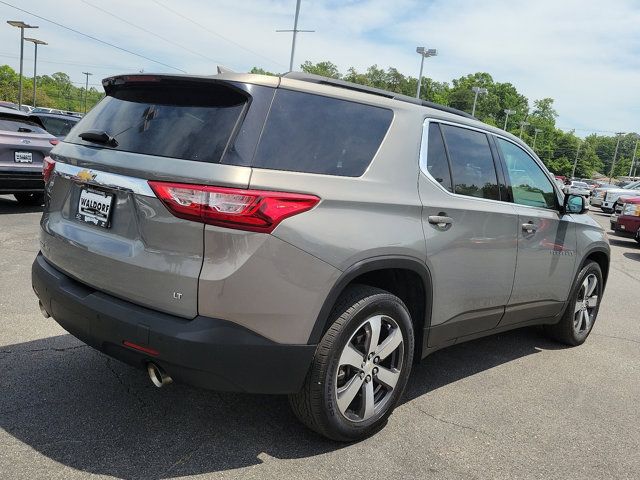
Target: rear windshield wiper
<point>24,130</point>
<point>99,136</point>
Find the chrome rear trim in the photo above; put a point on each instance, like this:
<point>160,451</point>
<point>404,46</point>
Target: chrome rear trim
<point>89,176</point>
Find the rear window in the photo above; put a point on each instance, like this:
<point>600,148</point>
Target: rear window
<point>179,120</point>
<point>10,124</point>
<point>315,134</point>
<point>58,126</point>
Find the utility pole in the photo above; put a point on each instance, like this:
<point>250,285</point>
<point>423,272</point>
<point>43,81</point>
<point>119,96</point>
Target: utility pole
<point>522,125</point>
<point>424,53</point>
<point>86,89</point>
<point>575,162</point>
<point>506,119</point>
<point>295,32</point>
<point>21,26</point>
<point>633,158</point>
<point>535,135</point>
<point>35,42</point>
<point>477,91</point>
<point>615,154</point>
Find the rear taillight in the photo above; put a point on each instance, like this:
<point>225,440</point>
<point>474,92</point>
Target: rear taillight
<point>54,141</point>
<point>252,210</point>
<point>48,164</point>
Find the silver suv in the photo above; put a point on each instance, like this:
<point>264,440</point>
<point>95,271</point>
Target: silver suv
<point>304,236</point>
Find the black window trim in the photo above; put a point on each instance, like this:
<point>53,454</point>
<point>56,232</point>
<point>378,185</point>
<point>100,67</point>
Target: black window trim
<point>424,145</point>
<point>539,164</point>
<point>424,148</point>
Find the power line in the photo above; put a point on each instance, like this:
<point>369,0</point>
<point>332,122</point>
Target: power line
<point>92,37</point>
<point>98,67</point>
<point>164,39</point>
<point>216,33</point>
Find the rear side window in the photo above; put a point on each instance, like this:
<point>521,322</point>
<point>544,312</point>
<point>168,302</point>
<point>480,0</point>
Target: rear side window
<point>58,126</point>
<point>182,120</point>
<point>315,134</point>
<point>472,166</point>
<point>437,164</point>
<point>10,124</point>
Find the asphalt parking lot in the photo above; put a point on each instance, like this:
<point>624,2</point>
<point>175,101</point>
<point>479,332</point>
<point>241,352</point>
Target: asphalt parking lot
<point>511,406</point>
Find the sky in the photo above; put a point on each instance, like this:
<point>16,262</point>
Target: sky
<point>583,53</point>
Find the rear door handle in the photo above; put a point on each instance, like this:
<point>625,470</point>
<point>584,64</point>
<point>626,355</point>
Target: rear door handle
<point>441,221</point>
<point>529,228</point>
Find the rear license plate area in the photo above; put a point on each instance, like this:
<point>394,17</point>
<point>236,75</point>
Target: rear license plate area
<point>95,207</point>
<point>23,157</point>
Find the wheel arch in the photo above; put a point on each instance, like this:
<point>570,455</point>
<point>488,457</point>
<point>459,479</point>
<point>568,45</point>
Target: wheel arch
<point>406,277</point>
<point>602,257</point>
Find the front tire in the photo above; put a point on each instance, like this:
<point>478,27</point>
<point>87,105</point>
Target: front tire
<point>30,199</point>
<point>361,366</point>
<point>582,310</point>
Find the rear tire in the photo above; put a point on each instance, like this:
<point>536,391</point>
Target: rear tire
<point>580,314</point>
<point>352,386</point>
<point>31,199</point>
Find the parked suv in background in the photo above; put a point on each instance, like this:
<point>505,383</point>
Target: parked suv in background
<point>304,236</point>
<point>24,144</point>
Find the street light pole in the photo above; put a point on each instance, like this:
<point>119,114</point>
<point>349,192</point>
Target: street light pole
<point>36,42</point>
<point>424,53</point>
<point>86,90</point>
<point>21,26</point>
<point>477,91</point>
<point>615,154</point>
<point>633,158</point>
<point>522,125</point>
<point>575,162</point>
<point>508,112</point>
<point>295,32</point>
<point>535,136</point>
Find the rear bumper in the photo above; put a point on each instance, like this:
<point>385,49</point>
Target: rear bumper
<point>204,352</point>
<point>595,201</point>
<point>14,182</point>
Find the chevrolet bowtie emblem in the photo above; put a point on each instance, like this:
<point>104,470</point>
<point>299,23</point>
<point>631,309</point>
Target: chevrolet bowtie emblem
<point>85,175</point>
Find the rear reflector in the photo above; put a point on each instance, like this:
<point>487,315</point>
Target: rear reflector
<point>54,141</point>
<point>251,210</point>
<point>140,348</point>
<point>48,164</point>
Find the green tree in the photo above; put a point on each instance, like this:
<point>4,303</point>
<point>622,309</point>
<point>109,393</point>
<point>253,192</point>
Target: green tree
<point>261,71</point>
<point>326,69</point>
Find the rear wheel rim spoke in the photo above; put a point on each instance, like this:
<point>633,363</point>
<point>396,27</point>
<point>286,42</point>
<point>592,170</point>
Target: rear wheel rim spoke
<point>584,310</point>
<point>369,368</point>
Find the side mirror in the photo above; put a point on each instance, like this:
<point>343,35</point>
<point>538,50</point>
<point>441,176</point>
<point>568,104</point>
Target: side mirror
<point>575,204</point>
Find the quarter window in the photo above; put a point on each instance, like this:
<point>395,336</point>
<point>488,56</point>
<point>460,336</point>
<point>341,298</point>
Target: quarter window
<point>315,134</point>
<point>472,166</point>
<point>529,184</point>
<point>437,163</point>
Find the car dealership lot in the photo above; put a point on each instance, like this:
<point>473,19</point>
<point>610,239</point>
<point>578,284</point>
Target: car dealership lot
<point>513,405</point>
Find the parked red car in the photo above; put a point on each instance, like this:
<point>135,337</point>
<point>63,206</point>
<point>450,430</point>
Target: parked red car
<point>626,218</point>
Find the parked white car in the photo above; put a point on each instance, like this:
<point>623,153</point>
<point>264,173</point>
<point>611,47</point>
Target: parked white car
<point>611,195</point>
<point>578,188</point>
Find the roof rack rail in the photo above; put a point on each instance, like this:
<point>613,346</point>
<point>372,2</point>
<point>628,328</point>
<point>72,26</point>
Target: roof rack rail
<point>334,82</point>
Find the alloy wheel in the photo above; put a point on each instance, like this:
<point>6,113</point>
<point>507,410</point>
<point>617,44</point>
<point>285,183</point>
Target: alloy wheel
<point>369,368</point>
<point>585,306</point>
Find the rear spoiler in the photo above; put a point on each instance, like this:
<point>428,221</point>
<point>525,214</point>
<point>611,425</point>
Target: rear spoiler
<point>21,116</point>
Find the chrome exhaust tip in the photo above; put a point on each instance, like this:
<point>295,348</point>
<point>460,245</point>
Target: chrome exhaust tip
<point>158,376</point>
<point>43,310</point>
